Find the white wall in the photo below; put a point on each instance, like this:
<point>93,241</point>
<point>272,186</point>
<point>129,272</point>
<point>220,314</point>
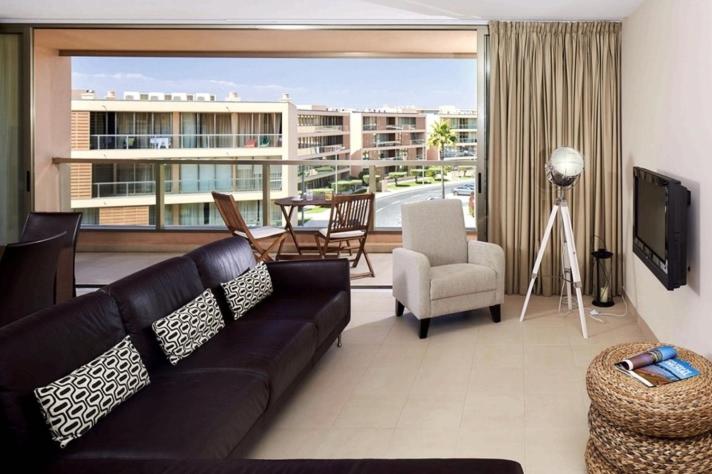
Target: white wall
<point>667,127</point>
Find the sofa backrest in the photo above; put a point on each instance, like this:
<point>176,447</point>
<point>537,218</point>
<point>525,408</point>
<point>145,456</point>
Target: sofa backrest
<point>222,261</point>
<point>39,349</point>
<point>150,294</point>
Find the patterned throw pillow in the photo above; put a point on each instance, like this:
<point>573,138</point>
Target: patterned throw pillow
<point>244,292</point>
<point>187,328</point>
<point>76,402</point>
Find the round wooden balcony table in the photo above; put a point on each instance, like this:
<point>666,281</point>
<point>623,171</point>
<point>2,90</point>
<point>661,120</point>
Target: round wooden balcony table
<point>288,205</point>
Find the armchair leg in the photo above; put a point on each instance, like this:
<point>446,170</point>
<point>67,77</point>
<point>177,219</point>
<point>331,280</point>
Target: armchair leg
<point>338,340</point>
<point>496,312</point>
<point>424,326</point>
<point>399,308</point>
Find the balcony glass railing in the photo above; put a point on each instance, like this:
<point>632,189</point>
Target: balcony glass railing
<point>175,193</point>
<point>167,141</point>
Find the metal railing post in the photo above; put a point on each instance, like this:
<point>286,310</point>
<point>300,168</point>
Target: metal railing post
<point>159,177</point>
<point>266,190</point>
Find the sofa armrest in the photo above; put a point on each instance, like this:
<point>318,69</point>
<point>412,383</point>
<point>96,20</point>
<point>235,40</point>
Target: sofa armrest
<point>305,276</point>
<point>411,281</point>
<point>490,255</point>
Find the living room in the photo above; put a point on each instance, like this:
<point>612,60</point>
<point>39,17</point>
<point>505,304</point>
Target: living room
<point>476,247</point>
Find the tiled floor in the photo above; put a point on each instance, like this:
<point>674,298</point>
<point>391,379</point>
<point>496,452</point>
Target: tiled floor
<point>472,389</point>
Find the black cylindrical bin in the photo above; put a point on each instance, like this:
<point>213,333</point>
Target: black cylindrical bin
<point>602,290</point>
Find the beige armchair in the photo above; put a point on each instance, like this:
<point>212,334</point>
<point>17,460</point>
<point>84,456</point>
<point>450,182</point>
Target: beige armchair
<point>438,271</point>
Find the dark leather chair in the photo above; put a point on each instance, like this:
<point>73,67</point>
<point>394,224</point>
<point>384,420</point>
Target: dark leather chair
<point>27,274</point>
<point>40,225</point>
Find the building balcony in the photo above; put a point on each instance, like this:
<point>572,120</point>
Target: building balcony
<point>170,141</point>
<point>321,129</point>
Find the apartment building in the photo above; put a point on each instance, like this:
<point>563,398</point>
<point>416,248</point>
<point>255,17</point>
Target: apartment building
<point>323,134</point>
<point>171,127</point>
<point>398,134</point>
<point>463,122</point>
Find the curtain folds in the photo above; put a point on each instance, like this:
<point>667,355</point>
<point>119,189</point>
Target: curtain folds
<point>551,85</point>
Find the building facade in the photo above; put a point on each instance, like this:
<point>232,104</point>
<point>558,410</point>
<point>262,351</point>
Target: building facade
<point>172,127</point>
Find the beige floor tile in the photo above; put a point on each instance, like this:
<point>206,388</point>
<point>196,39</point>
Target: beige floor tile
<point>441,382</point>
<point>560,411</point>
<point>408,355</point>
<point>353,443</point>
<point>386,381</point>
<point>543,334</point>
<point>547,380</point>
<point>555,450</point>
<point>541,356</point>
<point>370,413</point>
<point>486,411</point>
<point>504,442</point>
<point>497,381</point>
<point>431,414</point>
<point>373,333</point>
<point>304,412</point>
<point>499,356</point>
<point>422,443</point>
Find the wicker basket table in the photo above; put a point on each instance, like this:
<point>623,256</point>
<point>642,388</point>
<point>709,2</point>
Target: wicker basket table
<point>634,453</point>
<point>596,463</point>
<point>677,410</point>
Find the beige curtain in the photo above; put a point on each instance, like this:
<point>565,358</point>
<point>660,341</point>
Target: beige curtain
<point>551,85</point>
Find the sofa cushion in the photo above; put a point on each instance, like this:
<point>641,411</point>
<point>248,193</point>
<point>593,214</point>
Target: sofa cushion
<point>189,327</point>
<point>77,401</point>
<point>279,350</point>
<point>184,416</point>
<point>41,348</point>
<point>245,291</point>
<point>151,294</point>
<point>460,279</point>
<point>327,310</point>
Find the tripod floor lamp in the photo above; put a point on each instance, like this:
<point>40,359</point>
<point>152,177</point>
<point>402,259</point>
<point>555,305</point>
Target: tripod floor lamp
<point>563,168</point>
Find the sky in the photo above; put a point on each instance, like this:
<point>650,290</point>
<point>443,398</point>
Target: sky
<point>344,83</point>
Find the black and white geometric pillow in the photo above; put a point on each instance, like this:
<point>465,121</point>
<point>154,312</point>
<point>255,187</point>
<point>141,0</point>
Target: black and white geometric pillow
<point>187,328</point>
<point>74,403</point>
<point>244,292</point>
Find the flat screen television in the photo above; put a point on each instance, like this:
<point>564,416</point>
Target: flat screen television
<point>660,226</point>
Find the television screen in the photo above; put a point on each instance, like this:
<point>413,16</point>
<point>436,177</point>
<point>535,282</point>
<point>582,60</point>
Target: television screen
<point>650,215</point>
<point>660,226</point>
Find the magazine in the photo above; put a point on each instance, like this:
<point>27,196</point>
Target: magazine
<point>658,366</point>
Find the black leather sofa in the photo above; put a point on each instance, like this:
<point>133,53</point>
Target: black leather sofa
<point>199,415</point>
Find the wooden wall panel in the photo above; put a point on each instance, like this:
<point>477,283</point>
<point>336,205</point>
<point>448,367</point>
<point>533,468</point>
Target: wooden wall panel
<point>130,215</point>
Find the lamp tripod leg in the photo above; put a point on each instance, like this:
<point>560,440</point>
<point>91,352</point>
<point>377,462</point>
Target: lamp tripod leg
<point>573,260</point>
<point>539,257</point>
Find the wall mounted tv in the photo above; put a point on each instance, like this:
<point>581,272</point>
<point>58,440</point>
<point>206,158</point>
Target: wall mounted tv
<point>660,226</point>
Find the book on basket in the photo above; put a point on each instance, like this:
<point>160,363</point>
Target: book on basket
<point>658,366</point>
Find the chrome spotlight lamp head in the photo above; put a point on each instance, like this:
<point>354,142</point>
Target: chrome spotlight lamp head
<point>564,166</point>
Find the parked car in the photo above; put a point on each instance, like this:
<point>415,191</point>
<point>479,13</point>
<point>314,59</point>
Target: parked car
<point>464,189</point>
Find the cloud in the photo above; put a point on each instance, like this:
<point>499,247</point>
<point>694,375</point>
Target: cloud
<point>119,76</point>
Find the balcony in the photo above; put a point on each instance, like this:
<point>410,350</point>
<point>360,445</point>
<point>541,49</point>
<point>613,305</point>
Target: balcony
<point>320,128</point>
<point>168,141</point>
<point>321,150</point>
<point>173,190</point>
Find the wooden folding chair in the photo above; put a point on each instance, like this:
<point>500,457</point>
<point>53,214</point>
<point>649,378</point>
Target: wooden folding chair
<point>236,225</point>
<point>349,221</point>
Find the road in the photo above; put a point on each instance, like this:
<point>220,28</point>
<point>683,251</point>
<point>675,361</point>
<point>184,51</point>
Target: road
<point>388,205</point>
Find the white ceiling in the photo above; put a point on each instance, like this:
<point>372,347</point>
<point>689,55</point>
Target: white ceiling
<point>310,11</point>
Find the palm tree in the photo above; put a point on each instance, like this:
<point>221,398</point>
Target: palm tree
<point>441,136</point>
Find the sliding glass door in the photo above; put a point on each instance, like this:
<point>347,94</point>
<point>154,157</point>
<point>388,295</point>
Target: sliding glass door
<point>14,195</point>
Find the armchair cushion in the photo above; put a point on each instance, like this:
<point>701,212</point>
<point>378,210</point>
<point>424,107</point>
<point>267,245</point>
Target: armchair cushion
<point>436,229</point>
<point>459,279</point>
